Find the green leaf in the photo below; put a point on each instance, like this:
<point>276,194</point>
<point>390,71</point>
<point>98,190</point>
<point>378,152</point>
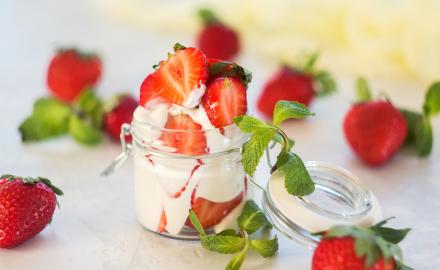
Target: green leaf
<point>254,149</point>
<point>237,261</point>
<point>178,47</point>
<point>48,120</point>
<point>310,62</point>
<point>432,100</point>
<point>340,231</point>
<point>363,92</point>
<point>83,132</point>
<point>196,223</point>
<point>207,16</point>
<point>252,218</point>
<point>297,179</point>
<point>90,105</point>
<point>48,183</point>
<point>400,266</point>
<point>225,244</point>
<point>289,110</point>
<point>412,118</point>
<point>230,69</point>
<point>228,232</point>
<point>423,137</point>
<point>367,247</point>
<point>266,248</point>
<point>279,139</point>
<point>391,235</point>
<point>325,83</point>
<point>250,124</point>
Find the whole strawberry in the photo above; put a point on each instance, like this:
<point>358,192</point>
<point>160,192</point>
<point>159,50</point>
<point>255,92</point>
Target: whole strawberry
<point>216,39</point>
<point>375,129</point>
<point>300,84</point>
<point>351,248</point>
<point>26,207</point>
<point>71,71</point>
<point>119,111</point>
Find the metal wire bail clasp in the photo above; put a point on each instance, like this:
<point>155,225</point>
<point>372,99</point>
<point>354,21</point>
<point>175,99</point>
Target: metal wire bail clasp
<point>127,149</point>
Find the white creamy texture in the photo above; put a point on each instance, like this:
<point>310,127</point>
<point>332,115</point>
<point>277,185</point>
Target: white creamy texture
<point>230,221</point>
<point>194,97</point>
<point>293,209</point>
<point>156,116</point>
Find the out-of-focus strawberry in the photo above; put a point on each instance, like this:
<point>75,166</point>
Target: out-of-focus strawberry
<point>71,71</point>
<point>26,207</point>
<point>216,39</point>
<point>299,84</point>
<point>375,129</point>
<point>119,111</point>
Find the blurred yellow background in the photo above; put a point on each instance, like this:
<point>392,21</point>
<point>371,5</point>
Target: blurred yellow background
<point>391,39</point>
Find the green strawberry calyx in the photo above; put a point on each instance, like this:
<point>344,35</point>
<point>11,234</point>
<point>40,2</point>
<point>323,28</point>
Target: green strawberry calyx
<point>207,16</point>
<point>373,243</point>
<point>33,181</point>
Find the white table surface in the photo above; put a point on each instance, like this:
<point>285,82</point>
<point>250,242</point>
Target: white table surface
<point>96,228</point>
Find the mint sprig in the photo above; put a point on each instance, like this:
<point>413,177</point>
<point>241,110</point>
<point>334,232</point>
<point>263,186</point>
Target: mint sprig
<point>296,178</point>
<point>238,242</point>
<point>420,133</point>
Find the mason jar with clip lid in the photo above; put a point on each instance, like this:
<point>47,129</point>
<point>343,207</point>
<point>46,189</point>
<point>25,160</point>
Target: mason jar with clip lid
<point>168,184</point>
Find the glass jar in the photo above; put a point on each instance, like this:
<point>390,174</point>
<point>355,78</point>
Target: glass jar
<point>168,183</point>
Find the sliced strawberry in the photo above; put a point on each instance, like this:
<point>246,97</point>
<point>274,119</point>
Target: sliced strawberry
<point>225,98</point>
<point>185,135</point>
<point>211,213</point>
<point>182,73</point>
<point>163,223</point>
<point>148,90</point>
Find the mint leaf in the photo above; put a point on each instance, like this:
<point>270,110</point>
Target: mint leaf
<point>225,244</point>
<point>83,132</point>
<point>48,119</point>
<point>227,232</point>
<point>238,260</point>
<point>363,92</point>
<point>296,177</point>
<point>196,223</point>
<point>266,248</point>
<point>88,103</point>
<point>252,218</point>
<point>423,137</point>
<point>289,109</point>
<point>254,149</point>
<point>249,124</point>
<point>325,83</point>
<point>279,139</point>
<point>432,100</point>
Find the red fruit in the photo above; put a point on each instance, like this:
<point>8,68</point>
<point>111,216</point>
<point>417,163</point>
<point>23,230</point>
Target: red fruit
<point>181,74</point>
<point>120,112</point>
<point>211,213</point>
<point>339,254</point>
<point>70,72</point>
<point>163,223</point>
<point>26,207</point>
<point>217,40</point>
<point>286,84</point>
<point>225,98</point>
<point>148,91</point>
<point>185,135</point>
<point>375,130</point>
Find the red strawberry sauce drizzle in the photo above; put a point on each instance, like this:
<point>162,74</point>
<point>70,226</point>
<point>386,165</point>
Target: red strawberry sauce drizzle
<point>179,193</point>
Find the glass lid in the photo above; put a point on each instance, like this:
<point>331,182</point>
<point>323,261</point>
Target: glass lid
<point>339,198</point>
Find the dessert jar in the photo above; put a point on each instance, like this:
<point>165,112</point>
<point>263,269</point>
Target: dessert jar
<point>168,183</point>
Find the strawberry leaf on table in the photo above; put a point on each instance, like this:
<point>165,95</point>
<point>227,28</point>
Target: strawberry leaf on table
<point>420,134</point>
<point>48,120</point>
<point>298,183</point>
<point>230,241</point>
<point>83,131</point>
<point>252,218</point>
<point>89,104</point>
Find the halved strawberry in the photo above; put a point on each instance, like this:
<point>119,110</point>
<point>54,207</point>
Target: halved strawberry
<point>187,137</point>
<point>148,90</point>
<point>163,223</point>
<point>179,75</point>
<point>225,98</point>
<point>211,213</point>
